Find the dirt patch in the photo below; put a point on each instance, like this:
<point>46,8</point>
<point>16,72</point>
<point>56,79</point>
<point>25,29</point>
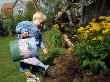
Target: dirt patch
<point>64,69</point>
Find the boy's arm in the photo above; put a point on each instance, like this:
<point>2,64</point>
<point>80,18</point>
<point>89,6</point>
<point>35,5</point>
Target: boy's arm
<point>42,46</point>
<point>21,27</point>
<point>44,49</point>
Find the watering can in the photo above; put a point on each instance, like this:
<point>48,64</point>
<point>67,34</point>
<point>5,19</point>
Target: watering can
<point>23,48</point>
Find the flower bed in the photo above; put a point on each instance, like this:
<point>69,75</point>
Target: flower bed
<point>93,45</point>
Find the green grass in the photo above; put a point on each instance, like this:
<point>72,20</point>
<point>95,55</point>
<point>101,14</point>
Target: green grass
<point>9,70</point>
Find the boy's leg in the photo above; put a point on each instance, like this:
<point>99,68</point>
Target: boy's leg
<point>33,79</point>
<point>25,68</point>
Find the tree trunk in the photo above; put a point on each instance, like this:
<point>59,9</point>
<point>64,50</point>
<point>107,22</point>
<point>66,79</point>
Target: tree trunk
<point>71,20</point>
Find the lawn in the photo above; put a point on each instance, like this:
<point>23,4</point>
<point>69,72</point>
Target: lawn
<point>9,70</point>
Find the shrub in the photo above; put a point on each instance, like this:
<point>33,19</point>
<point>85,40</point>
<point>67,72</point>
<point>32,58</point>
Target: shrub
<point>93,45</point>
<point>54,42</point>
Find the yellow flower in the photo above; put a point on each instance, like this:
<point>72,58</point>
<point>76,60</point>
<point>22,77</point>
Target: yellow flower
<point>102,17</point>
<point>105,31</point>
<point>85,35</point>
<point>100,38</point>
<point>70,49</point>
<point>108,18</point>
<point>87,31</point>
<point>56,26</point>
<point>91,29</point>
<point>106,26</point>
<point>81,29</point>
<point>87,27</point>
<point>95,27</point>
<point>94,38</point>
<point>103,23</point>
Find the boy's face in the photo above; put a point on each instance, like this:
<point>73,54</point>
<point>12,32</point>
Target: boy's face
<point>39,22</point>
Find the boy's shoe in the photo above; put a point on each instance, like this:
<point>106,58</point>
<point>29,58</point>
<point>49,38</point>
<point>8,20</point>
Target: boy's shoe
<point>33,78</point>
<point>29,79</point>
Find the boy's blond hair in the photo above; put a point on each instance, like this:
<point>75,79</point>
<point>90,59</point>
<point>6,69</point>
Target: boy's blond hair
<point>39,15</point>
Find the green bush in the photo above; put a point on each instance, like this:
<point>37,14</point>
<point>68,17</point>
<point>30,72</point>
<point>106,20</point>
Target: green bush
<point>92,45</point>
<point>54,42</point>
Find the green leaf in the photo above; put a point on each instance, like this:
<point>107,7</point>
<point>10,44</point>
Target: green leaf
<point>86,62</point>
<point>86,79</point>
<point>75,80</point>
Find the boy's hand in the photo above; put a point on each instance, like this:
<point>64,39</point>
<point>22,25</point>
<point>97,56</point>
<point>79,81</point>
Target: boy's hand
<point>45,50</point>
<point>25,34</point>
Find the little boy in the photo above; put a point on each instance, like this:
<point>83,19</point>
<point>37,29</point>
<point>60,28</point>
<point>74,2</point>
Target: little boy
<point>29,29</point>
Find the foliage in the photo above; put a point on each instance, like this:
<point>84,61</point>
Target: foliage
<point>3,30</point>
<point>1,24</point>
<point>14,20</point>
<point>75,80</point>
<point>92,45</point>
<point>85,79</point>
<point>10,24</point>
<point>52,53</point>
<point>55,37</point>
<point>29,12</point>
<point>51,8</point>
<point>54,42</point>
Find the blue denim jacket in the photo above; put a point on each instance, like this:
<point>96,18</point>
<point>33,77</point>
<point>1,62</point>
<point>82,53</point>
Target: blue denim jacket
<point>31,28</point>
